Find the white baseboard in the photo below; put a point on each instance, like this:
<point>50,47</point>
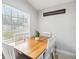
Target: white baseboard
<point>65,52</point>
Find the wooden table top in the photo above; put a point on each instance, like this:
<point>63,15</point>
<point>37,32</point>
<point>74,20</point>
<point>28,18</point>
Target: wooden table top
<point>31,47</point>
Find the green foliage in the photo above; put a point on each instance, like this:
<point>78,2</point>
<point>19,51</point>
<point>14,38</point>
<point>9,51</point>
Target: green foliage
<point>8,35</point>
<point>37,34</point>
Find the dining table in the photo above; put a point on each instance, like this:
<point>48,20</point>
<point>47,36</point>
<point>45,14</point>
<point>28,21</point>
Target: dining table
<point>31,47</point>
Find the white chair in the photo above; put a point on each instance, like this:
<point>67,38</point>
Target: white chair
<point>8,51</point>
<point>26,35</point>
<point>50,51</point>
<point>53,48</point>
<point>18,36</point>
<point>21,36</point>
<point>47,34</point>
<point>47,54</point>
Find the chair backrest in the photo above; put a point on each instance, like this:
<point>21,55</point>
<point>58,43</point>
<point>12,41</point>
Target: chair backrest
<point>18,36</point>
<point>48,49</point>
<point>50,45</point>
<point>48,34</point>
<point>21,36</point>
<point>26,35</point>
<point>53,42</point>
<point>8,51</point>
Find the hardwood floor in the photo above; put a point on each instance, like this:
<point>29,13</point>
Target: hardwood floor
<point>63,56</point>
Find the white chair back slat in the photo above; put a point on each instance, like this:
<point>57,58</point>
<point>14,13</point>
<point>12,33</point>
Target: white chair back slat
<point>53,48</point>
<point>47,34</point>
<point>53,42</point>
<point>8,51</point>
<point>21,36</point>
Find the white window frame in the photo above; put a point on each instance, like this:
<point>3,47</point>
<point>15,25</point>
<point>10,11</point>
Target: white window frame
<point>28,22</point>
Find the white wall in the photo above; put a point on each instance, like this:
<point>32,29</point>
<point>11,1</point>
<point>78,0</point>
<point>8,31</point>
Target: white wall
<point>63,25</point>
<point>26,7</point>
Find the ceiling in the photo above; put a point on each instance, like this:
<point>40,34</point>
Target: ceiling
<point>42,4</point>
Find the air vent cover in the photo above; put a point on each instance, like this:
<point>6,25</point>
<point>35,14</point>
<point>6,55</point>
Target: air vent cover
<point>56,12</point>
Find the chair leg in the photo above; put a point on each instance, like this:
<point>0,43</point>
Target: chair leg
<point>43,57</point>
<point>53,55</point>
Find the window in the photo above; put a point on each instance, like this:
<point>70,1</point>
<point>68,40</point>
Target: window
<point>13,21</point>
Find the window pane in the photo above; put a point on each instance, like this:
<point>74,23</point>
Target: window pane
<point>7,10</point>
<point>3,19</point>
<point>7,33</point>
<point>6,20</point>
<point>20,14</point>
<point>14,12</point>
<point>13,21</point>
<point>3,9</point>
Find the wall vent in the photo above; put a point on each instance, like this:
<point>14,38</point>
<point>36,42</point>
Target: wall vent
<point>56,12</point>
